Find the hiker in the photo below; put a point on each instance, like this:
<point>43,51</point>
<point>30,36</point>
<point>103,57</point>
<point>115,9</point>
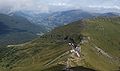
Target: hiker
<point>78,50</point>
<point>75,49</point>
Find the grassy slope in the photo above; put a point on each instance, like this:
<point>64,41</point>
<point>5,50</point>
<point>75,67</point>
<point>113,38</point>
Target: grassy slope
<point>34,55</point>
<point>104,33</point>
<point>14,30</point>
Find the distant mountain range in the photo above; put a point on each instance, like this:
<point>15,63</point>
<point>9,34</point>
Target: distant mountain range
<point>52,20</point>
<point>25,25</point>
<point>14,29</point>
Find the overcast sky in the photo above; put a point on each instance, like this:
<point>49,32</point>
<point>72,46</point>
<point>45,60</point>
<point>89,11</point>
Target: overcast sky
<point>54,5</point>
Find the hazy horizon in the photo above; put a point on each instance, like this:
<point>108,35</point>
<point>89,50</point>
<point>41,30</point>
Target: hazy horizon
<point>46,6</point>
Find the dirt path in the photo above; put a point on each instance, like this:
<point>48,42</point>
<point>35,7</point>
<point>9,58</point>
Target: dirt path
<point>99,50</point>
<point>57,58</point>
<point>103,52</point>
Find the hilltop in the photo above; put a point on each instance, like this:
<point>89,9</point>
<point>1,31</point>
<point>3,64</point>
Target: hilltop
<point>100,48</point>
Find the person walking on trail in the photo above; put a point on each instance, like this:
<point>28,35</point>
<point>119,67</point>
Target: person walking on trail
<point>75,48</point>
<point>75,51</point>
<point>74,44</point>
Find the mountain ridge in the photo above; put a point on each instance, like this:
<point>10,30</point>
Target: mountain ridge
<point>96,32</point>
<point>56,19</point>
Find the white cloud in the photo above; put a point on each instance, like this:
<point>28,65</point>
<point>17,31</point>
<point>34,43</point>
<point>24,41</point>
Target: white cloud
<point>105,7</point>
<point>47,5</point>
<point>29,5</point>
<point>18,5</point>
<point>60,4</point>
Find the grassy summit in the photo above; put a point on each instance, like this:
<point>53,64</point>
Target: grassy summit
<point>49,52</point>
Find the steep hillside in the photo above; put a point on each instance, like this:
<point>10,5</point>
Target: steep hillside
<point>15,29</point>
<point>98,38</point>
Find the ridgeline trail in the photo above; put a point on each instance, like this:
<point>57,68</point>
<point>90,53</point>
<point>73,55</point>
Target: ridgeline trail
<point>57,58</point>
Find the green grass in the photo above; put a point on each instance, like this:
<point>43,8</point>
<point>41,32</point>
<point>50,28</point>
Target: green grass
<point>16,30</point>
<point>34,55</point>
